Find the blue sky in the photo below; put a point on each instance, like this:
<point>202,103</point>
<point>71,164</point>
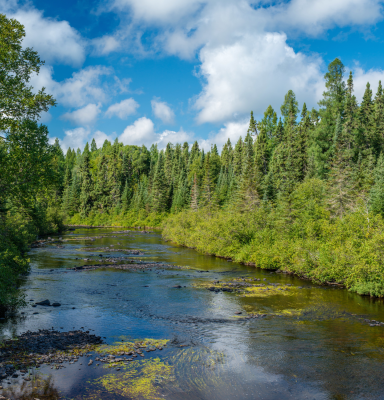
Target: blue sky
<point>159,71</point>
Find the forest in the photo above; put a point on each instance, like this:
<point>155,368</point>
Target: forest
<point>302,192</point>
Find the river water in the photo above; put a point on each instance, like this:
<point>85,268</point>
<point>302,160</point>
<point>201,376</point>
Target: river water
<point>313,343</point>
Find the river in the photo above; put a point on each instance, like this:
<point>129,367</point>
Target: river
<point>314,342</point>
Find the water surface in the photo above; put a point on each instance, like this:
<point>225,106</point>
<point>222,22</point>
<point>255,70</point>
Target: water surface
<point>313,343</point>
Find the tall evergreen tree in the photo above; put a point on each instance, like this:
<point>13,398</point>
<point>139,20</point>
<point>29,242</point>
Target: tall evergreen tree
<point>159,191</point>
<point>86,201</point>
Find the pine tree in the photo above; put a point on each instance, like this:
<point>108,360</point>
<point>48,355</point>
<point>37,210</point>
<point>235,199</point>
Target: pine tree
<point>378,118</point>
<point>321,146</point>
<point>252,130</point>
<point>341,176</point>
<point>269,122</point>
<point>101,187</point>
<point>286,160</point>
<point>159,192</point>
<point>86,201</point>
<point>261,161</point>
<point>377,191</point>
<point>93,145</point>
<point>238,157</point>
<point>206,194</point>
<point>227,154</point>
<point>195,195</point>
<point>289,106</point>
<point>181,197</point>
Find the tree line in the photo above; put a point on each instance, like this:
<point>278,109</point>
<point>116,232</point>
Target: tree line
<point>341,143</point>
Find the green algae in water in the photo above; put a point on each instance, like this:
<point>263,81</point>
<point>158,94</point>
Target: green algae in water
<point>141,379</point>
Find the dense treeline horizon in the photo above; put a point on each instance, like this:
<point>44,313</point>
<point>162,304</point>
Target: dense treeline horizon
<point>340,143</point>
<point>302,193</point>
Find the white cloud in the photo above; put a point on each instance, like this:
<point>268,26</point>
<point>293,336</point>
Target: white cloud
<point>231,130</point>
<point>163,111</point>
<point>78,137</point>
<point>246,62</point>
<point>158,11</point>
<point>173,137</point>
<point>101,137</point>
<point>106,45</point>
<point>361,77</point>
<point>82,88</point>
<point>54,40</point>
<point>251,74</point>
<point>123,109</point>
<point>315,16</point>
<point>142,131</point>
<point>75,138</point>
<point>83,116</point>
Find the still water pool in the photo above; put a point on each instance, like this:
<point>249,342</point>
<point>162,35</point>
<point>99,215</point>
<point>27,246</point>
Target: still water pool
<point>314,342</point>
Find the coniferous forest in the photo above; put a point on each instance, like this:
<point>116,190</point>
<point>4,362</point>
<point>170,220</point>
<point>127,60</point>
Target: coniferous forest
<point>303,192</point>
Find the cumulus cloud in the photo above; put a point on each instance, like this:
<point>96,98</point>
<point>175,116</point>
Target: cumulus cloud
<point>101,137</point>
<point>54,40</point>
<point>315,16</point>
<point>361,77</point>
<point>123,109</point>
<point>74,138</point>
<point>254,72</point>
<point>173,137</point>
<point>246,62</point>
<point>78,137</point>
<point>142,131</point>
<point>83,116</point>
<point>82,88</point>
<point>162,111</point>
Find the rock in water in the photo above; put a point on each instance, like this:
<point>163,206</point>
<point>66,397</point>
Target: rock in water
<point>44,303</point>
<point>56,304</point>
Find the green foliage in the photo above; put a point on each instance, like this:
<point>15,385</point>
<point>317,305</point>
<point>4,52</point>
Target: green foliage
<point>304,193</point>
<point>31,170</point>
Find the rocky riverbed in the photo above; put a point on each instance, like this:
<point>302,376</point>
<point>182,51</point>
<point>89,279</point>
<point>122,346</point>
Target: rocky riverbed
<point>32,349</point>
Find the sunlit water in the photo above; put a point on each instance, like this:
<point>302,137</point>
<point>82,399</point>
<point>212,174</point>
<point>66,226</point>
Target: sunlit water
<point>311,345</point>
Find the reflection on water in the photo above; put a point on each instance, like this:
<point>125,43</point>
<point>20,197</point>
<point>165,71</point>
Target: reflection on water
<point>314,342</point>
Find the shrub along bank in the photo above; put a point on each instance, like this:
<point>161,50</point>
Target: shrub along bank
<point>298,234</point>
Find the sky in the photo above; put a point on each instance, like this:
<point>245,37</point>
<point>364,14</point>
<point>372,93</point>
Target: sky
<point>159,71</point>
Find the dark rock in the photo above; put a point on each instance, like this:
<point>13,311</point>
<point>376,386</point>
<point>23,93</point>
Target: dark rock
<point>56,304</point>
<point>43,303</point>
<point>177,287</point>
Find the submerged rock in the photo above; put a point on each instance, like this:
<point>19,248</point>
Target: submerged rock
<point>43,303</point>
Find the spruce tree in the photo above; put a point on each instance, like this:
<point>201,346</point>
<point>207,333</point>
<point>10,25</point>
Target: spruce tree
<point>195,194</point>
<point>252,130</point>
<point>261,161</point>
<point>378,118</point>
<point>238,157</point>
<point>227,154</point>
<point>86,201</point>
<point>269,122</point>
<point>377,191</point>
<point>159,192</point>
<point>332,106</point>
<point>93,145</point>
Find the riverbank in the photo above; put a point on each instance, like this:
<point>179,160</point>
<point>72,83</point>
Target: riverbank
<point>128,219</point>
<point>321,249</point>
